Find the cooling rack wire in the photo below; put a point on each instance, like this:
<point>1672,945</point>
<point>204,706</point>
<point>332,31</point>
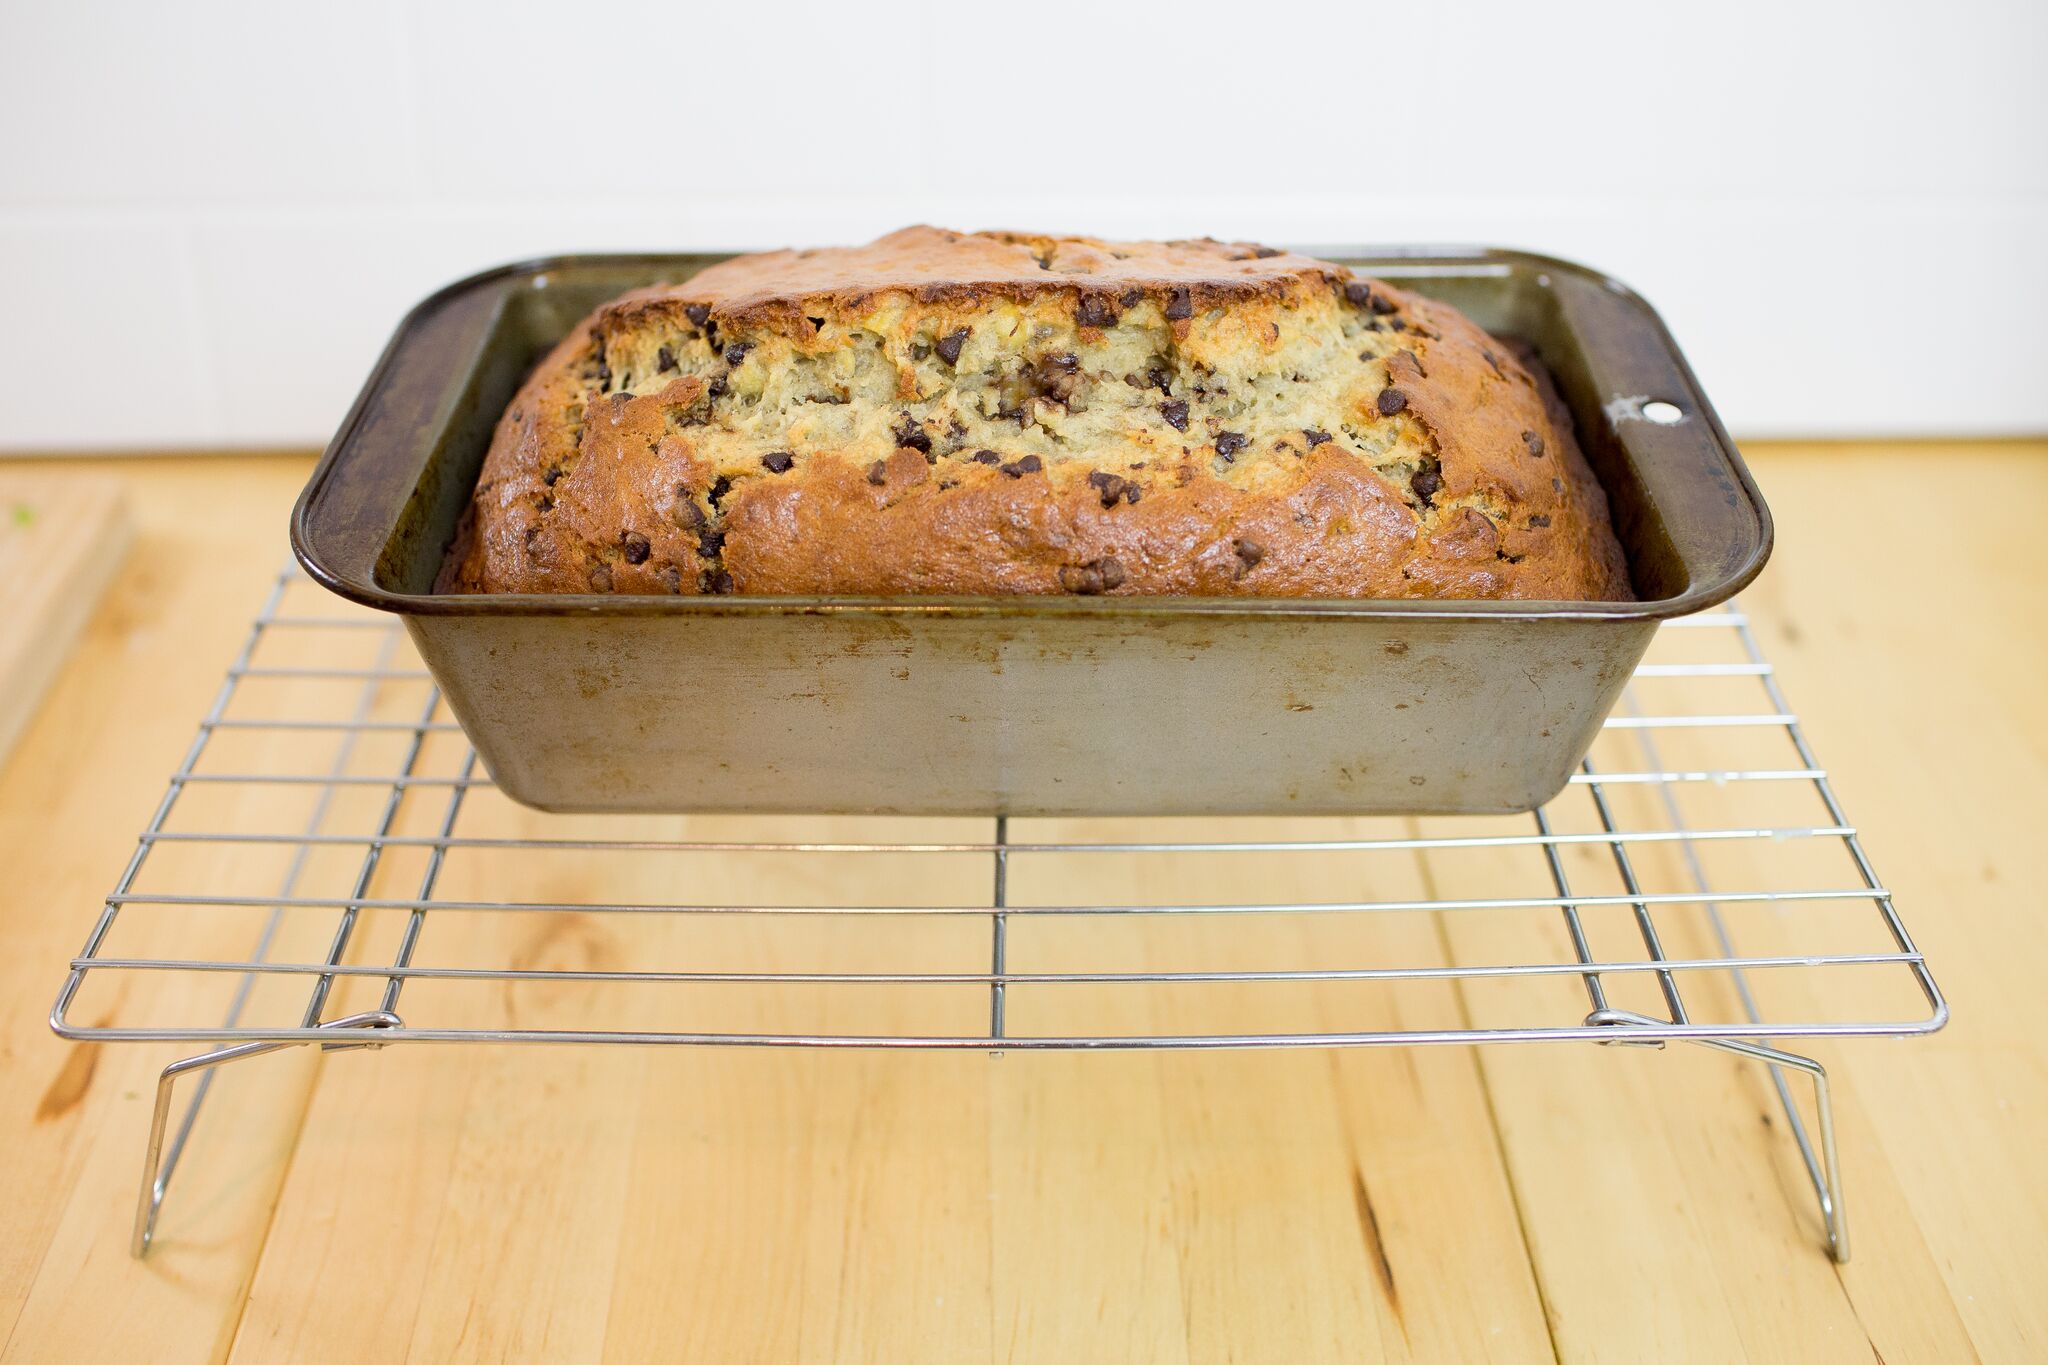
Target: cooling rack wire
<point>330,865</point>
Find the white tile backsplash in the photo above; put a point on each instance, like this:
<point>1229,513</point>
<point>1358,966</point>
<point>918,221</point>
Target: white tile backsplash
<point>235,202</point>
<point>101,344</point>
<point>247,102</point>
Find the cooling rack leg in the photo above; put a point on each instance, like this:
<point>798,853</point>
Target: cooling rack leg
<point>158,1165</point>
<point>1824,1164</point>
<point>156,1170</point>
<point>1823,1167</point>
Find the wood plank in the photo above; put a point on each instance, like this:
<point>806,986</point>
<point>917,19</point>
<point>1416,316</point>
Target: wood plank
<point>63,537</point>
<point>1434,1204</point>
<point>1921,692</point>
<point>1664,1217</point>
<point>1276,1267</point>
<point>631,1198</point>
<point>83,780</point>
<point>860,1173</point>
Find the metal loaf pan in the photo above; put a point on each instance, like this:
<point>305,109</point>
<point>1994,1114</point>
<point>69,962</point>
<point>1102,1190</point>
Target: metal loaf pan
<point>1028,705</point>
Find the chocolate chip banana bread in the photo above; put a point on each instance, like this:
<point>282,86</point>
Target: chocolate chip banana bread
<point>943,412</point>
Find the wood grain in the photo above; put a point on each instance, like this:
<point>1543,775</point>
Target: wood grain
<point>1596,1204</point>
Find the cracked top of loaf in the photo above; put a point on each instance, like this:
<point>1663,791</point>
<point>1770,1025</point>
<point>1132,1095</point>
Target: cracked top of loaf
<point>963,413</point>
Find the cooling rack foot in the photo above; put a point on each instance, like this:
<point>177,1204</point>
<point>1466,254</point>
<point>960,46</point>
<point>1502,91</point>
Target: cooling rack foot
<point>1823,1163</point>
<point>158,1163</point>
<point>1823,1166</point>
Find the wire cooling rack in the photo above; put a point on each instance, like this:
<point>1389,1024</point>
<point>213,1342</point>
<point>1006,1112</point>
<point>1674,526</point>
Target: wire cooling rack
<point>330,862</point>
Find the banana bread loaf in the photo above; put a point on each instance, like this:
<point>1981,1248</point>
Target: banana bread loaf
<point>955,413</point>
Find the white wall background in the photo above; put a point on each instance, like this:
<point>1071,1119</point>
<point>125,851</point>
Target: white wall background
<point>211,214</point>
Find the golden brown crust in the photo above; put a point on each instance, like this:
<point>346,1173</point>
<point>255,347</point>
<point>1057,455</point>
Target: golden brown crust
<point>950,413</point>
<point>967,270</point>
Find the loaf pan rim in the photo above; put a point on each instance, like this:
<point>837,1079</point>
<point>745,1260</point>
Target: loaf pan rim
<point>1699,596</point>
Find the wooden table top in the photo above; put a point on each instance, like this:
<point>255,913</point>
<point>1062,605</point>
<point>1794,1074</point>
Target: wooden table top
<point>437,1203</point>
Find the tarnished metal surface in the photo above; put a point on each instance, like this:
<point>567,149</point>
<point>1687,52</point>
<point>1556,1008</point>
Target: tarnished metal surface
<point>1030,705</point>
<point>1094,714</point>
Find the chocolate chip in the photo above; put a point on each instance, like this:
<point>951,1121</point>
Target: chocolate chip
<point>1360,294</point>
<point>720,486</point>
<point>1250,551</point>
<point>604,373</point>
<point>1264,252</point>
<point>554,473</point>
<point>1228,443</point>
<point>1132,493</point>
<point>1157,379</point>
<point>737,352</point>
<point>910,435</point>
<point>1427,480</point>
<point>1535,444</point>
<point>1175,413</point>
<point>1098,576</point>
<point>671,577</point>
<point>1396,324</point>
<point>664,360</point>
<point>1017,469</point>
<point>718,582</point>
<point>599,577</point>
<point>1095,311</point>
<point>622,398</point>
<point>546,503</point>
<point>1179,304</point>
<point>1493,362</point>
<point>1538,521</point>
<point>1392,401</point>
<point>1111,486</point>
<point>1314,437</point>
<point>1130,297</point>
<point>987,457</point>
<point>688,514</point>
<point>1557,485</point>
<point>1057,376</point>
<point>950,344</point>
<point>635,546</point>
<point>716,388</point>
<point>777,461</point>
<point>697,313</point>
<point>711,543</point>
<point>878,473</point>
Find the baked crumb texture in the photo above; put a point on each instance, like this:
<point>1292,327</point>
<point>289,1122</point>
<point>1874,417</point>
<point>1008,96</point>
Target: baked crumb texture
<point>954,413</point>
